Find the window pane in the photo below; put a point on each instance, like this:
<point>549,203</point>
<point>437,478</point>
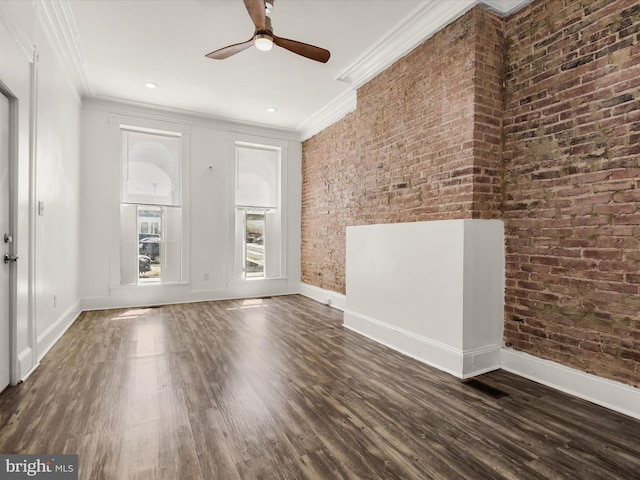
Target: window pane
<point>172,243</point>
<point>128,245</point>
<point>150,245</point>
<point>151,168</point>
<point>256,177</point>
<point>254,245</point>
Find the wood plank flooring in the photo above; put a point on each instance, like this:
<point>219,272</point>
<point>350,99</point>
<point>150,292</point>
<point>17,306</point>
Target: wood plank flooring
<point>276,388</point>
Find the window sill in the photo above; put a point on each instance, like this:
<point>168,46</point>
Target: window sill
<point>150,285</point>
<point>256,280</point>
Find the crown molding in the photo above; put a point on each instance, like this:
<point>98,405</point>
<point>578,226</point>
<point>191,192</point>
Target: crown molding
<point>337,109</point>
<point>426,20</point>
<point>414,29</point>
<point>57,19</point>
<point>421,24</point>
<point>21,38</point>
<point>58,22</point>
<point>131,108</point>
<point>504,8</point>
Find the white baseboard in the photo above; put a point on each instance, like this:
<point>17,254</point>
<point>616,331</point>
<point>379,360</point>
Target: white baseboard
<point>26,364</point>
<point>333,299</point>
<point>459,363</point>
<point>52,334</point>
<point>480,360</point>
<point>601,391</point>
<point>610,394</point>
<point>170,294</point>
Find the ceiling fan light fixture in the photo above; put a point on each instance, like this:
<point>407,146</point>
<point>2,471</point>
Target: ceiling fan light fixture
<point>264,42</point>
<point>264,38</point>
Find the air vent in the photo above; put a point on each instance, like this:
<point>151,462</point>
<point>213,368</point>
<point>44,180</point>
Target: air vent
<point>484,388</point>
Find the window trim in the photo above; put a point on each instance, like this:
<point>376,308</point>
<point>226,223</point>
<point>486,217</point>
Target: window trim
<point>125,122</point>
<point>235,265</point>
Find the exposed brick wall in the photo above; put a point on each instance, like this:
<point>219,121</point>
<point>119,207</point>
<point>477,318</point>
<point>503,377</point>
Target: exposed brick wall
<point>572,185</point>
<point>489,76</point>
<point>556,153</point>
<point>421,145</point>
<point>325,201</point>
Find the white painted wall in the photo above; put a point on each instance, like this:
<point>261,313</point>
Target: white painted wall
<point>433,290</point>
<point>57,228</point>
<point>47,169</point>
<point>484,283</point>
<point>207,203</point>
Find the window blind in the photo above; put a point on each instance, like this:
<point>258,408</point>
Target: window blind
<point>257,178</point>
<point>151,170</point>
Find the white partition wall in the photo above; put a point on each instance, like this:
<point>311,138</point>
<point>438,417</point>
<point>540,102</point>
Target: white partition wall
<point>432,290</point>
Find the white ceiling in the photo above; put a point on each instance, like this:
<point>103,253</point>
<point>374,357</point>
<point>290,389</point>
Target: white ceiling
<point>118,45</point>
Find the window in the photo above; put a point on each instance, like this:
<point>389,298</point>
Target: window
<point>254,230</point>
<point>257,205</point>
<point>150,207</point>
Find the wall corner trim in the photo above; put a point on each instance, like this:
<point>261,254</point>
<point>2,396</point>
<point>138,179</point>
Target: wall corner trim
<point>607,393</point>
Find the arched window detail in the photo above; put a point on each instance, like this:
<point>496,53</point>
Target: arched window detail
<point>151,170</point>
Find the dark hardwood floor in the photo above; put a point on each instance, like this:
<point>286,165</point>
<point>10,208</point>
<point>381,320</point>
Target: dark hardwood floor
<point>276,389</point>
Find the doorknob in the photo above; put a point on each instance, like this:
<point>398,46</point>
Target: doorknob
<point>10,258</point>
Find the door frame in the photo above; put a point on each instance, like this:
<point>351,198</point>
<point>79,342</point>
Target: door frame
<point>13,226</point>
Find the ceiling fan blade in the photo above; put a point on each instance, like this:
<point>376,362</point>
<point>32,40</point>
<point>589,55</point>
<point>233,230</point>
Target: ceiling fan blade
<point>226,52</point>
<point>314,53</point>
<point>257,13</point>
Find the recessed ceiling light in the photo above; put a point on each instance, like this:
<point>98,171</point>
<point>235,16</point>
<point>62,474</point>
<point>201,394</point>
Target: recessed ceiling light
<point>272,109</point>
<point>150,85</point>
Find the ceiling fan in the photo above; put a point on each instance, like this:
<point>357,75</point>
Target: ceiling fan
<point>264,38</point>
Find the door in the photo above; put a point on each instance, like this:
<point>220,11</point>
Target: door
<point>6,246</point>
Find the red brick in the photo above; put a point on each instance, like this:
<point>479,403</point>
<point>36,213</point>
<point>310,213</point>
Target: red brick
<point>556,157</point>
